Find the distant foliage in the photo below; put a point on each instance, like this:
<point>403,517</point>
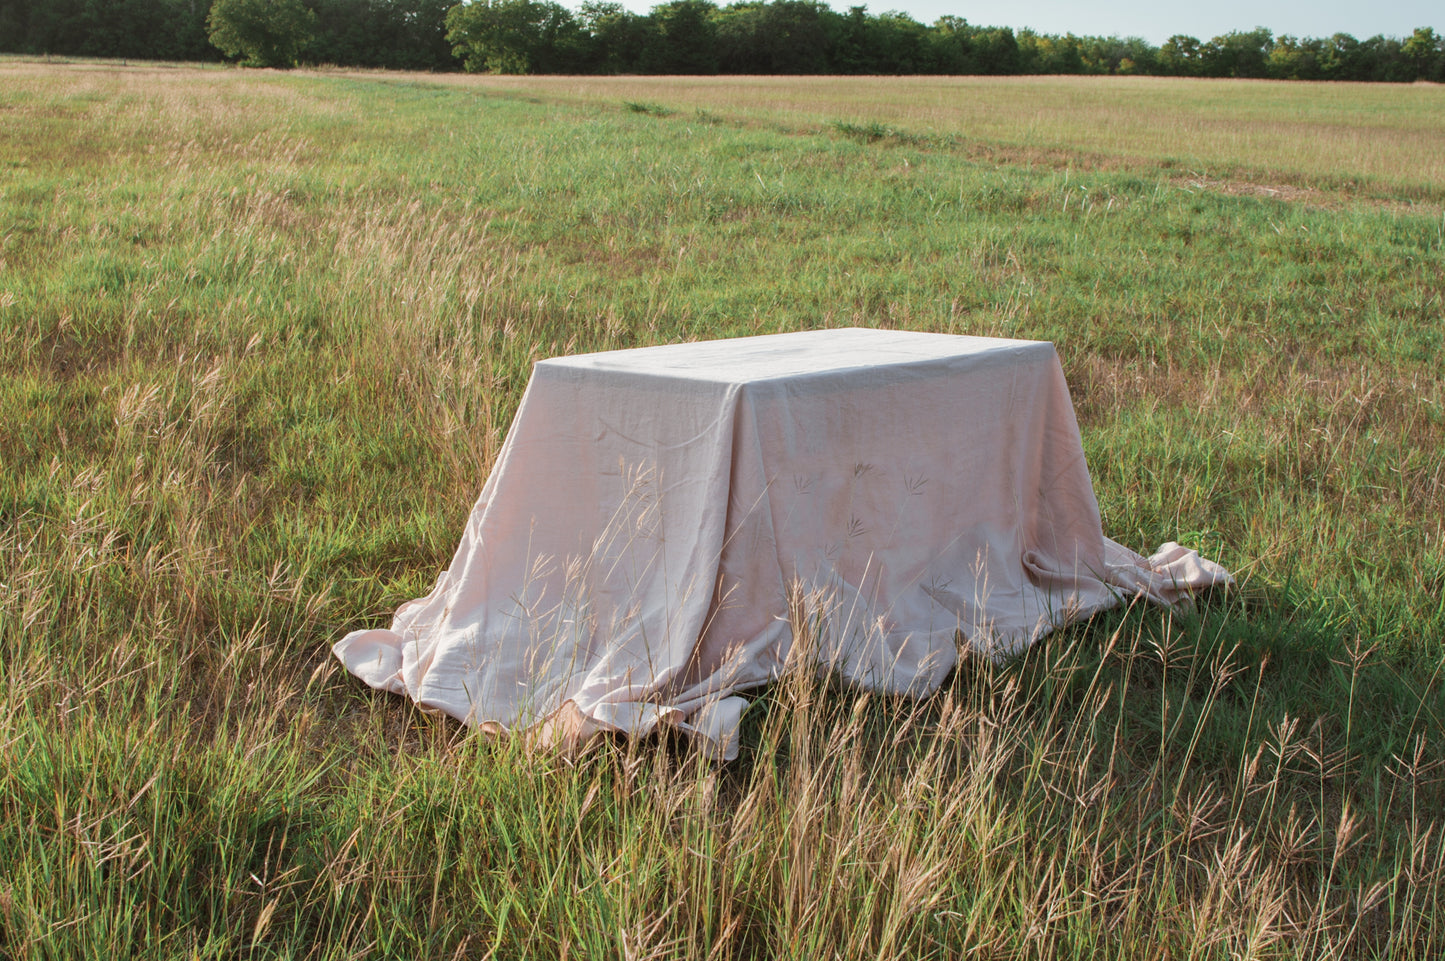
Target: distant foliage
<point>690,37</point>
<point>394,34</point>
<point>263,33</point>
<point>804,36</point>
<point>143,29</point>
<point>516,36</point>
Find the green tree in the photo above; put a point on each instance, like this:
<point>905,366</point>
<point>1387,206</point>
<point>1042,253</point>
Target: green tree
<point>1123,55</point>
<point>1339,58</point>
<point>516,36</point>
<point>265,33</point>
<point>951,40</point>
<point>1044,53</point>
<point>1180,56</point>
<point>1237,54</point>
<point>785,36</point>
<point>618,36</point>
<point>846,41</point>
<point>1294,59</point>
<point>996,51</point>
<point>899,44</point>
<point>681,39</point>
<point>1425,52</point>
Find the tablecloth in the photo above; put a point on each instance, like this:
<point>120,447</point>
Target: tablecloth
<point>657,517</point>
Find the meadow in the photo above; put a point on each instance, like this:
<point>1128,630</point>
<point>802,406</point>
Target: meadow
<point>261,336</point>
<point>1379,140</point>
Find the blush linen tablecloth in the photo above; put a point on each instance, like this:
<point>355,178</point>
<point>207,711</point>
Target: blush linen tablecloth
<point>656,517</point>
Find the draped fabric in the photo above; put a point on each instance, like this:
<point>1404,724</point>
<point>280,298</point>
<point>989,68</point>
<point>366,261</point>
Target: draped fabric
<point>659,518</point>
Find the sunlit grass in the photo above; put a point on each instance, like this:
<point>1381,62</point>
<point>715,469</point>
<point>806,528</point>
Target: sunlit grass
<point>261,335</point>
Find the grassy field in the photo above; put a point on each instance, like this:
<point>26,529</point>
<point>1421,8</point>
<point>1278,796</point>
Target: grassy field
<point>1376,140</point>
<point>261,336</point>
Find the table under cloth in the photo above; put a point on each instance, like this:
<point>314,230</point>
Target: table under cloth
<point>656,517</point>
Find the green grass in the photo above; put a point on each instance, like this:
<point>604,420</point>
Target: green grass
<point>260,338</point>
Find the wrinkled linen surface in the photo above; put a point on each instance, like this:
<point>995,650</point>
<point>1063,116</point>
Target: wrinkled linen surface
<point>657,518</point>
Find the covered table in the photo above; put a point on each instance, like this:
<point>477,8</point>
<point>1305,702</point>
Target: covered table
<point>656,516</point>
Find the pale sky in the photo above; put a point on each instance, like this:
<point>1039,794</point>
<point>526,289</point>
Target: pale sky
<point>1157,22</point>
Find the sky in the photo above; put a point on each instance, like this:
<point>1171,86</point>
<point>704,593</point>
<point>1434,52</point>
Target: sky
<point>1157,22</point>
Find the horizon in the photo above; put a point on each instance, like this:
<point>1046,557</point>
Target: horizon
<point>1135,18</point>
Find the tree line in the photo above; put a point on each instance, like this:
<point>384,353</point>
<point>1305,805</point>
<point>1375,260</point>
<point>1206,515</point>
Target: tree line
<point>677,37</point>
